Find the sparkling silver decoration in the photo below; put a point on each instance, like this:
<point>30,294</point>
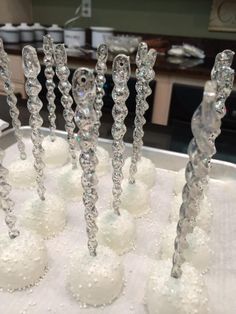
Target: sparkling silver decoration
<point>31,68</point>
<point>120,93</point>
<point>63,72</point>
<point>5,75</point>
<point>145,61</point>
<point>206,123</point>
<point>100,68</point>
<point>5,202</point>
<point>48,60</point>
<point>84,92</point>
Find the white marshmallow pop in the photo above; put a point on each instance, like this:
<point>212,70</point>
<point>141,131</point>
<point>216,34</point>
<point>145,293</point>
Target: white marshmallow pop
<point>22,173</point>
<point>56,152</point>
<point>116,231</point>
<point>135,198</point>
<point>168,295</point>
<point>23,260</point>
<point>69,183</point>
<point>146,172</point>
<point>204,218</point>
<point>46,217</point>
<point>198,252</point>
<point>95,276</point>
<point>95,280</point>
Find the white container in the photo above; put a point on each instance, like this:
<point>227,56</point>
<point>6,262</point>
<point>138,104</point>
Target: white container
<point>26,33</point>
<point>10,34</point>
<point>56,33</point>
<point>100,35</point>
<point>39,31</point>
<point>74,37</point>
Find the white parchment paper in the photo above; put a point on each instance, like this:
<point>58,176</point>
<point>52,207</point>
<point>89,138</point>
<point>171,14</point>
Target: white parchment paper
<point>51,295</point>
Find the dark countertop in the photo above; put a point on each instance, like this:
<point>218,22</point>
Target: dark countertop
<point>188,66</point>
<point>174,137</point>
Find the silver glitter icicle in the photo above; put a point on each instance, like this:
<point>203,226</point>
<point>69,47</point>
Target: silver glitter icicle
<point>100,68</point>
<point>5,75</point>
<point>120,93</point>
<point>145,61</point>
<point>49,74</point>
<point>83,88</point>
<point>5,202</point>
<point>63,72</point>
<point>206,123</point>
<point>31,68</point>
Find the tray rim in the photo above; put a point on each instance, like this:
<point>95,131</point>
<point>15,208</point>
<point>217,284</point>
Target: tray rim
<point>220,169</point>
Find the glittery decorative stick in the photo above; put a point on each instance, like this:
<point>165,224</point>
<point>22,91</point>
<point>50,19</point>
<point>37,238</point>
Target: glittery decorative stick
<point>5,202</point>
<point>5,75</point>
<point>145,61</point>
<point>100,68</point>
<point>206,123</point>
<point>31,68</point>
<point>222,74</point>
<point>49,74</point>
<point>83,88</point>
<point>120,93</point>
<point>63,72</point>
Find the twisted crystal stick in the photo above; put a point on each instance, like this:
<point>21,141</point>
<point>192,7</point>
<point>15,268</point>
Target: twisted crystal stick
<point>145,61</point>
<point>5,202</point>
<point>206,125</point>
<point>120,93</point>
<point>100,68</point>
<point>31,68</point>
<point>63,72</point>
<point>11,99</point>
<point>83,88</point>
<point>49,74</point>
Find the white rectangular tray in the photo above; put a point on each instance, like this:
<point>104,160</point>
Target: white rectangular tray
<point>51,295</point>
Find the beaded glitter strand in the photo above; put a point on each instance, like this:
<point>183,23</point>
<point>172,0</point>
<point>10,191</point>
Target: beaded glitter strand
<point>206,125</point>
<point>31,68</point>
<point>5,75</point>
<point>120,93</point>
<point>50,85</point>
<point>5,202</point>
<point>84,92</point>
<point>63,72</point>
<point>100,69</point>
<point>145,61</point>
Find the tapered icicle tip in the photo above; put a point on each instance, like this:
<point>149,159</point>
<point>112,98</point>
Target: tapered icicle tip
<point>83,85</point>
<point>121,68</point>
<point>48,43</point>
<point>30,60</point>
<point>145,56</point>
<point>60,54</point>
<point>225,57</point>
<point>102,53</point>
